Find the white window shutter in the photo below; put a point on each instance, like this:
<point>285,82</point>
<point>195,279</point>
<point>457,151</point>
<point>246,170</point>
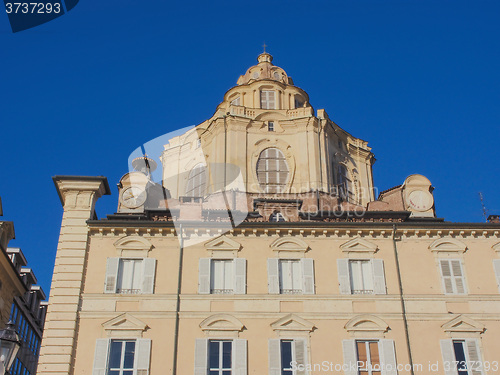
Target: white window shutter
<point>149,275</point>
<point>379,286</point>
<point>274,357</point>
<point>240,276</point>
<point>496,267</point>
<point>300,347</point>
<point>307,276</point>
<point>240,357</point>
<point>448,356</point>
<point>273,278</point>
<point>204,276</point>
<point>201,357</point>
<point>446,274</point>
<point>458,274</point>
<point>111,275</point>
<point>101,357</point>
<point>343,272</point>
<point>143,355</point>
<point>474,356</point>
<point>388,357</point>
<point>350,357</point>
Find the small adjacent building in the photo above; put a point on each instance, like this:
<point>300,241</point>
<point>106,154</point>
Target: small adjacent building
<point>21,301</point>
<point>11,284</point>
<point>28,315</point>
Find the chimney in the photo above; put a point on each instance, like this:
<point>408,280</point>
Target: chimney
<point>494,219</point>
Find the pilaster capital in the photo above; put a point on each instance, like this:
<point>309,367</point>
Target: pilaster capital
<point>80,191</point>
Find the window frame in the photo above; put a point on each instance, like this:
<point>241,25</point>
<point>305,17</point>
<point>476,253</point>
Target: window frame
<point>293,278</point>
<point>239,269</point>
<point>270,126</point>
<point>198,180</point>
<point>236,101</point>
<point>221,370</point>
<point>140,280</point>
<point>452,276</point>
<point>369,366</point>
<point>121,369</point>
<point>362,275</point>
<point>212,274</point>
<point>344,183</point>
<point>288,370</point>
<point>265,172</point>
<point>266,99</point>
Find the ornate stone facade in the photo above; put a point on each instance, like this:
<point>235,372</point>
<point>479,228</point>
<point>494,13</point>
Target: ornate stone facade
<point>317,271</point>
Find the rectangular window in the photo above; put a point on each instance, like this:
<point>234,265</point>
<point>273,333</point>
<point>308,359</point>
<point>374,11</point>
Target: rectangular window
<point>453,276</point>
<point>460,357</point>
<point>270,126</point>
<point>290,276</point>
<point>286,347</point>
<point>287,356</point>
<point>267,100</point>
<point>129,276</point>
<point>222,276</point>
<point>121,357</point>
<point>220,357</point>
<point>368,358</point>
<point>361,276</point>
<point>236,101</point>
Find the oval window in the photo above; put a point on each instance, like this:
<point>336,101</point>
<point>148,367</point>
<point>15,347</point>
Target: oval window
<point>272,170</point>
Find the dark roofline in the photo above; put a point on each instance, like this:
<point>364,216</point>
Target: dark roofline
<point>306,224</point>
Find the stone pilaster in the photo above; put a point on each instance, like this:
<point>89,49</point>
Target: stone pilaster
<point>78,196</point>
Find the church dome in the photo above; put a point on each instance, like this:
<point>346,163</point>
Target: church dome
<point>265,70</point>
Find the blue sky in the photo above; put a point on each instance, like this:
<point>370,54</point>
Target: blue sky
<point>418,79</point>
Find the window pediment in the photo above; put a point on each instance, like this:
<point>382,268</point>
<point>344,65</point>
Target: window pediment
<point>124,325</point>
<point>290,244</point>
<point>222,325</point>
<point>223,246</point>
<point>447,245</point>
<point>461,325</point>
<point>366,325</point>
<point>359,245</point>
<point>292,323</point>
<point>223,243</point>
<point>133,246</point>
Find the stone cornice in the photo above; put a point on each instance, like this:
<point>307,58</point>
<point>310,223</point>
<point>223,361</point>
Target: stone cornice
<point>369,230</point>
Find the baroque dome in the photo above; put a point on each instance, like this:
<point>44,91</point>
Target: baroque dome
<point>265,70</point>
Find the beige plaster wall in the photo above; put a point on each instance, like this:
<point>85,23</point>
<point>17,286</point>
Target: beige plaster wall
<point>426,306</point>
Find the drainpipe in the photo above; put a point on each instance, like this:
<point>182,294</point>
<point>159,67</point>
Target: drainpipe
<point>401,297</point>
<point>178,303</point>
<point>225,152</point>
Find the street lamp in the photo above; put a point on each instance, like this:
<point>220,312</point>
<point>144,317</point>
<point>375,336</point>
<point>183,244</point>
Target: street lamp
<point>9,345</point>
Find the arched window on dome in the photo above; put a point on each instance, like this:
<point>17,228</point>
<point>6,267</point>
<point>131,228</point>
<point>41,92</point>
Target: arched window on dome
<point>344,183</point>
<point>197,181</point>
<point>299,101</point>
<point>272,170</point>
